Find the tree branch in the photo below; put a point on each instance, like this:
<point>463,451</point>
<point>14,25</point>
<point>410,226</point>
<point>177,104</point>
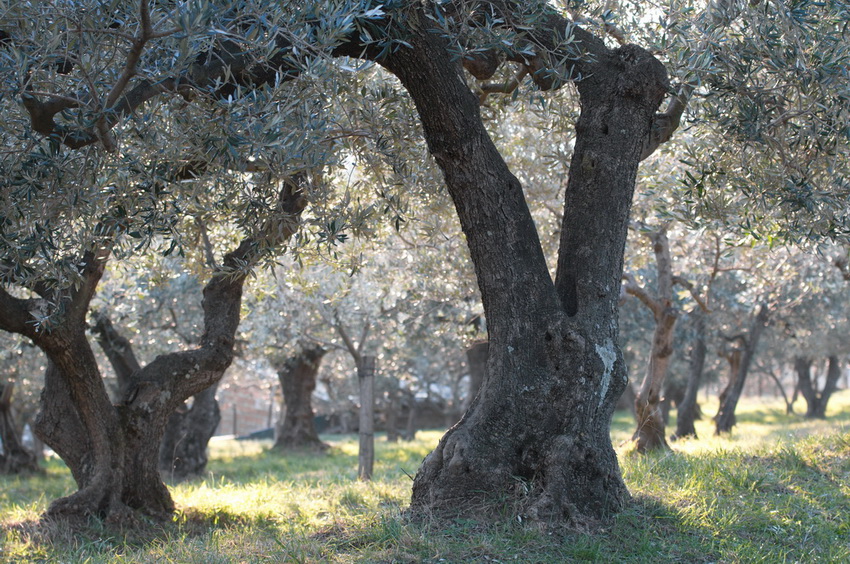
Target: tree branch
<point>506,87</point>
<point>690,287</point>
<point>15,316</point>
<point>349,344</point>
<point>634,289</point>
<point>186,373</point>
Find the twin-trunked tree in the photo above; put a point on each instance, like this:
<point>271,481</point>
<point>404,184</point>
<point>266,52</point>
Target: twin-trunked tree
<point>539,427</point>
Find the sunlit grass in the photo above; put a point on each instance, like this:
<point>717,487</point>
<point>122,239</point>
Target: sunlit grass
<point>776,490</point>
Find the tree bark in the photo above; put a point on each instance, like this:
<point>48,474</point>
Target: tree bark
<point>739,364</point>
<point>14,457</point>
<point>539,427</point>
<point>366,454</point>
<point>297,375</point>
<point>816,401</point>
<point>688,409</point>
<point>476,356</point>
<point>183,450</point>
<point>117,349</point>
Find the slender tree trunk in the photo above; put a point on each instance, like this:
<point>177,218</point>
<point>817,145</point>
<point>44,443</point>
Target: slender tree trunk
<point>688,408</point>
<point>539,427</point>
<point>366,455</point>
<point>118,350</point>
<point>649,434</point>
<point>833,373</point>
<point>185,441</point>
<point>14,457</point>
<point>739,366</point>
<point>803,368</point>
<point>297,375</point>
<point>671,396</point>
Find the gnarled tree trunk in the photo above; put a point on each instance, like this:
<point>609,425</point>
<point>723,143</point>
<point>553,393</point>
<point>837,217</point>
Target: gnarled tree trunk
<point>649,433</point>
<point>476,357</point>
<point>739,359</point>
<point>183,450</point>
<point>539,427</point>
<point>816,401</point>
<point>297,375</point>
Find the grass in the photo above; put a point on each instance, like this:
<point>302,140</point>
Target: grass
<point>776,490</point>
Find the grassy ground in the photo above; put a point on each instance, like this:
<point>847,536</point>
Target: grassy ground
<point>777,490</point>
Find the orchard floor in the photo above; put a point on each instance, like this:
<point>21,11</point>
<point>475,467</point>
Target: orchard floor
<point>776,490</point>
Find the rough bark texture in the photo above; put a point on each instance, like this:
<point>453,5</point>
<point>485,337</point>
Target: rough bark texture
<point>739,359</point>
<point>14,457</point>
<point>366,453</point>
<point>476,356</point>
<point>297,375</point>
<point>117,349</point>
<point>816,401</point>
<point>688,409</point>
<point>539,427</point>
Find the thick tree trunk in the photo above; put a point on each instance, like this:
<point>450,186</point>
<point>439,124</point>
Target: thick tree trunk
<point>739,364</point>
<point>14,457</point>
<point>297,375</point>
<point>366,453</point>
<point>185,441</point>
<point>816,401</point>
<point>183,450</point>
<point>476,356</point>
<point>539,427</point>
<point>688,409</point>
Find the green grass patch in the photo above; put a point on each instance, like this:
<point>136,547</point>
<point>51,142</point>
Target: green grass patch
<point>776,490</point>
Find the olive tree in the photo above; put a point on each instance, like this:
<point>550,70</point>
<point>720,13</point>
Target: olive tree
<point>539,426</point>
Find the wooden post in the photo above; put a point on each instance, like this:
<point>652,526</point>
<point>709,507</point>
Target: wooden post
<point>366,378</point>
